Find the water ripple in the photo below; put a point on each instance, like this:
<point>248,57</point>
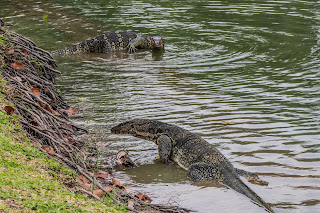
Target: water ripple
<point>243,75</point>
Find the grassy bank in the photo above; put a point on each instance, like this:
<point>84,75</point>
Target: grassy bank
<point>29,180</point>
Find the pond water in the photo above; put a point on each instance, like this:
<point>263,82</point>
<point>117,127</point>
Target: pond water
<point>242,74</point>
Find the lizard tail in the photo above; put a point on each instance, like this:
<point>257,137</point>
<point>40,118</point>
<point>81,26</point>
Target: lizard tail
<point>89,45</point>
<point>237,185</point>
<point>70,50</point>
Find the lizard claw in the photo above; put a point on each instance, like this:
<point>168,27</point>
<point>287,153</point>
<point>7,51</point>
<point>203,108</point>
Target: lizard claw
<point>158,158</point>
<point>258,181</point>
<point>131,49</point>
<point>164,161</point>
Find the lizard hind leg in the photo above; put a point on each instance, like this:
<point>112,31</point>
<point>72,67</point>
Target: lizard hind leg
<point>200,171</point>
<point>251,177</point>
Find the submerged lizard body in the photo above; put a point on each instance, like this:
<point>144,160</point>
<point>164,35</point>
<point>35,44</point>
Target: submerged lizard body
<point>114,41</point>
<point>192,153</point>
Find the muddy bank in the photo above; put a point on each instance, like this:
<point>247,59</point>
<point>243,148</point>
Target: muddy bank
<point>30,73</point>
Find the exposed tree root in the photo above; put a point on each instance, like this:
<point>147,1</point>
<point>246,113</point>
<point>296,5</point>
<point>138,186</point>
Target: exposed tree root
<point>30,74</point>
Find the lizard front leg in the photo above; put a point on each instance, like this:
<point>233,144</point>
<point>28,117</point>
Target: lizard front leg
<point>164,148</point>
<point>139,41</point>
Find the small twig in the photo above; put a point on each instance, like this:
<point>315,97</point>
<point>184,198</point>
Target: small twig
<point>92,179</point>
<point>89,193</point>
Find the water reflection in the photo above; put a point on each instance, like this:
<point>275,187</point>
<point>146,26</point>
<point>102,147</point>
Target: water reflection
<point>157,172</point>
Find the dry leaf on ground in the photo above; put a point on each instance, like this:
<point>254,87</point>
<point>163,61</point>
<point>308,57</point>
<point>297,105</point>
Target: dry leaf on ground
<point>17,66</point>
<point>143,197</point>
<point>48,149</point>
<point>117,183</point>
<point>101,174</point>
<point>35,91</point>
<point>101,193</point>
<point>24,52</point>
<point>8,109</point>
<point>82,179</point>
<point>71,111</point>
<point>87,186</point>
<point>228,122</point>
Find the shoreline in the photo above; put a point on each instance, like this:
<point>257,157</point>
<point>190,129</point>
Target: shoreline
<point>30,100</point>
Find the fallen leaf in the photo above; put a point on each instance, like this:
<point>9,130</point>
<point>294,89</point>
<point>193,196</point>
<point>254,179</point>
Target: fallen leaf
<point>34,123</point>
<point>87,186</point>
<point>17,66</point>
<point>48,149</point>
<point>46,107</point>
<point>9,110</point>
<point>228,122</point>
<point>82,179</point>
<point>70,141</point>
<point>143,197</point>
<point>71,111</point>
<point>11,51</point>
<point>101,174</point>
<point>108,189</point>
<point>99,192</point>
<point>139,195</point>
<point>55,112</point>
<point>117,183</point>
<point>24,52</point>
<point>35,91</point>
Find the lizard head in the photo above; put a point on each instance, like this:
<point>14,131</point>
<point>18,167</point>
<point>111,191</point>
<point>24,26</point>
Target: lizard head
<point>157,42</point>
<point>123,128</point>
<point>141,128</point>
<point>129,127</point>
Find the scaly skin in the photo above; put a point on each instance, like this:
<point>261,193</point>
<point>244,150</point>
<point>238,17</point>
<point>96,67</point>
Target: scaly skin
<point>192,153</point>
<point>114,41</point>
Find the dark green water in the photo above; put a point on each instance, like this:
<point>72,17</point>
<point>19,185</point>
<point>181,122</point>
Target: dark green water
<point>254,63</point>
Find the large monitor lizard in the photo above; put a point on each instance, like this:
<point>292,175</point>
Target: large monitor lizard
<point>191,152</point>
<point>114,41</point>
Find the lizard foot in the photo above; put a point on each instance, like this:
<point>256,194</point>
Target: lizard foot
<point>157,158</point>
<point>166,162</point>
<point>132,49</point>
<point>258,181</point>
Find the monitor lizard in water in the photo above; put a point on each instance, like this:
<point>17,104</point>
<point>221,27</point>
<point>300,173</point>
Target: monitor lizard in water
<point>194,154</point>
<point>114,41</point>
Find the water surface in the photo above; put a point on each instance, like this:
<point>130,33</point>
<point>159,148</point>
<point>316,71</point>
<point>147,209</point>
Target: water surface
<point>243,75</point>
